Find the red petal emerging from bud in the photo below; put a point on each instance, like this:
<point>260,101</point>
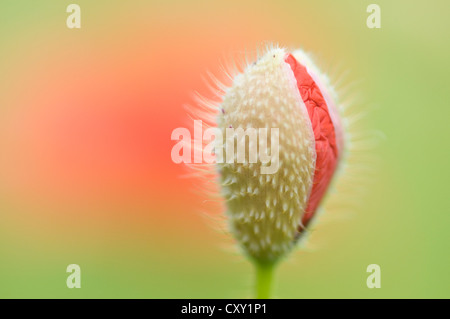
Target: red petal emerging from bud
<point>326,142</point>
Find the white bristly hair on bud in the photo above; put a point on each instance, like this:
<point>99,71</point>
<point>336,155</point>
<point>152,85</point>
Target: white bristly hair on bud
<point>264,214</point>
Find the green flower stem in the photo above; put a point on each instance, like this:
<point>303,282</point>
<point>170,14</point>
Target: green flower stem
<point>264,280</point>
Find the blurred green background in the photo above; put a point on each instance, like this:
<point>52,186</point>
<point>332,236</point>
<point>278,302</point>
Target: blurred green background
<point>85,169</point>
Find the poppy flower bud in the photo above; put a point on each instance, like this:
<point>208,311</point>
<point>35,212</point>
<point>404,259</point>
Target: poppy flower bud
<point>270,203</point>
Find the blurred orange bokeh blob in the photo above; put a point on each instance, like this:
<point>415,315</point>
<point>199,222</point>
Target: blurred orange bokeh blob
<point>92,118</point>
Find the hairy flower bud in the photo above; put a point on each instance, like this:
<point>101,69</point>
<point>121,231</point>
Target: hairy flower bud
<point>268,210</point>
